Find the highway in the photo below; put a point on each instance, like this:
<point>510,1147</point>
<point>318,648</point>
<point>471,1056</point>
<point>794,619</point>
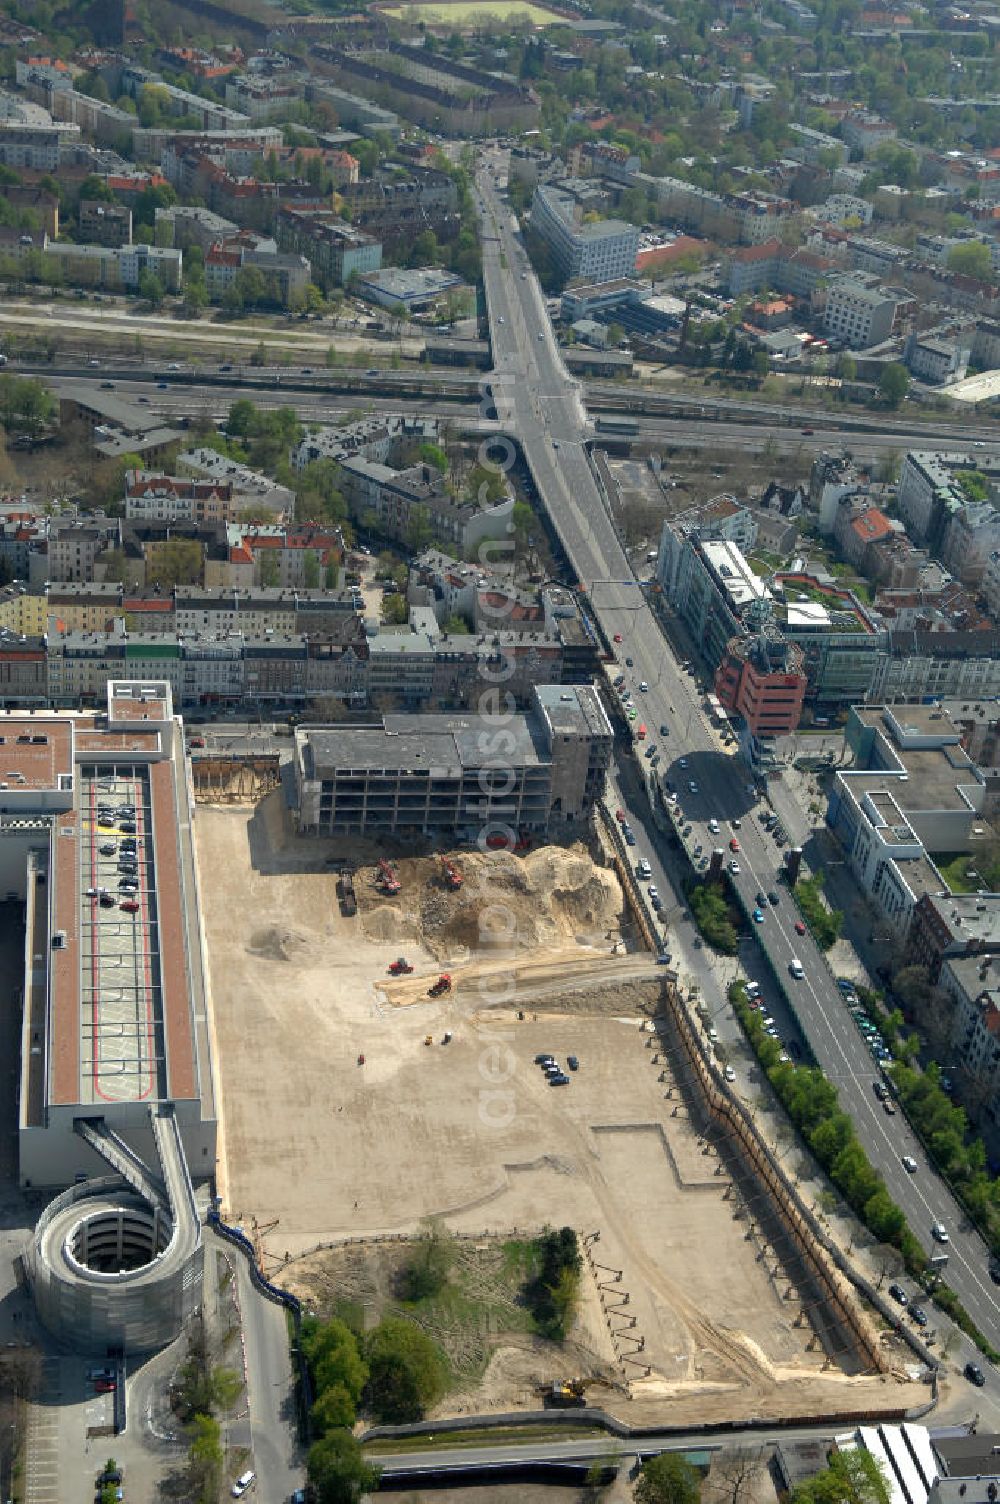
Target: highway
<point>541,404</point>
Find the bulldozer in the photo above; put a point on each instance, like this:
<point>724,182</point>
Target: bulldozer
<point>441,986</point>
<point>400,967</point>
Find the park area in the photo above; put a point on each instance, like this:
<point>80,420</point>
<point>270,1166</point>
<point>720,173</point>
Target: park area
<point>469,14</point>
<point>348,1122</point>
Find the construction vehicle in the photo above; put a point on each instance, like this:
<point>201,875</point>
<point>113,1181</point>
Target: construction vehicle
<point>447,1037</point>
<point>428,1039</point>
<point>387,878</point>
<point>450,872</point>
<point>400,967</point>
<point>566,1394</point>
<point>345,887</point>
<point>441,986</point>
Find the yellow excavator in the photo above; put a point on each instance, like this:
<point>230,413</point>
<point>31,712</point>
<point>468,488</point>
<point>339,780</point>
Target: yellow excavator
<point>565,1394</point>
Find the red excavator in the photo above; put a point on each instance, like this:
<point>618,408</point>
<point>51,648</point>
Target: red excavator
<point>441,986</point>
<point>451,873</point>
<point>388,878</point>
<point>400,967</point>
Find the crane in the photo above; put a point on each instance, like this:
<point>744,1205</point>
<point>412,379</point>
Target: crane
<point>451,873</point>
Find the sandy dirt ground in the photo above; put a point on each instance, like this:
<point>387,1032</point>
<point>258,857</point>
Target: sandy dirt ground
<point>327,1149</point>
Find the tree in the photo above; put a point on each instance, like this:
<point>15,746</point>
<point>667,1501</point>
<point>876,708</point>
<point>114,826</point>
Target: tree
<point>151,288</point>
<point>433,455</point>
<point>242,418</point>
<point>205,1456</point>
<point>668,1479</point>
<point>178,561</point>
<point>972,259</point>
<point>407,1371</point>
<point>894,383</point>
<point>735,1473</point>
<point>395,611</point>
<point>310,569</point>
<point>338,1471</point>
<point>26,406</point>
<point>426,1274</point>
<point>852,1477</point>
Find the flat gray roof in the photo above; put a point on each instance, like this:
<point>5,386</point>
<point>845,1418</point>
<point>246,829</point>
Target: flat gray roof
<point>441,745</point>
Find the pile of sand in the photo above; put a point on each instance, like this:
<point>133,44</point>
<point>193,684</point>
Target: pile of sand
<point>541,899</point>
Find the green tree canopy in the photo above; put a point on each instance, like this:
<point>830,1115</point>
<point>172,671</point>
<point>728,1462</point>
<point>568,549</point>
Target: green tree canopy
<point>668,1479</point>
<point>338,1471</point>
<point>972,259</point>
<point>851,1477</point>
<point>407,1370</point>
<point>894,383</point>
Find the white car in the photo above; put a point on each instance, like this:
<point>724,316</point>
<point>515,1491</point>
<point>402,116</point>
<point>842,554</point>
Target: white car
<point>909,1164</point>
<point>643,688</point>
<point>713,826</point>
<point>713,1035</point>
<point>693,786</point>
<point>734,868</point>
<point>244,1481</point>
<point>730,1074</point>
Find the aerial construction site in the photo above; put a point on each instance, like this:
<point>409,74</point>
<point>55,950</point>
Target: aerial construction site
<point>378,1019</point>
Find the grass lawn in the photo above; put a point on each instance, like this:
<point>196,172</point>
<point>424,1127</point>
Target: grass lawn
<point>471,12</point>
<point>953,870</point>
<point>482,1298</point>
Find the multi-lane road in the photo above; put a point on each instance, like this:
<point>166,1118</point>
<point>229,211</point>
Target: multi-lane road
<point>541,404</point>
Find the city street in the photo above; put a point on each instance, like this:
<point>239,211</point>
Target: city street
<point>541,404</point>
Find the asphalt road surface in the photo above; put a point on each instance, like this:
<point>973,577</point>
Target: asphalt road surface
<point>537,400</point>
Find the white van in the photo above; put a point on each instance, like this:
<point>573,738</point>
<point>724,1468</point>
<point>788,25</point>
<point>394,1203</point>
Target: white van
<point>796,968</point>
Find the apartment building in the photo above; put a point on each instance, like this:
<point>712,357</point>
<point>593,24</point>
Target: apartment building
<point>75,544</point>
<point>150,496</point>
<point>335,250</point>
<point>286,276</point>
<point>432,90</point>
<point>263,98</point>
<point>601,251</point>
<point>864,132</point>
<point>253,492</point>
<point>105,224</point>
<point>183,226</point>
<point>951,925</point>
<point>36,147</point>
<point>913,792</point>
<point>936,360</point>
<point>973,985</point>
<point>858,314</point>
<point>395,208</point>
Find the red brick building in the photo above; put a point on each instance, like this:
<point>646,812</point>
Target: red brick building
<point>762,680</point>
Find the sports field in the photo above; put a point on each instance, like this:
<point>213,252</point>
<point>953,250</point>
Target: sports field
<point>472,13</point>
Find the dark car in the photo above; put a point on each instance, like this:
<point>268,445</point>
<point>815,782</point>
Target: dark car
<point>975,1375</point>
<point>544,1059</point>
<point>572,1062</point>
<point>106,901</point>
<point>919,1315</point>
<point>772,897</point>
<point>664,729</point>
<point>899,1295</point>
<point>629,663</point>
<point>559,1079</point>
